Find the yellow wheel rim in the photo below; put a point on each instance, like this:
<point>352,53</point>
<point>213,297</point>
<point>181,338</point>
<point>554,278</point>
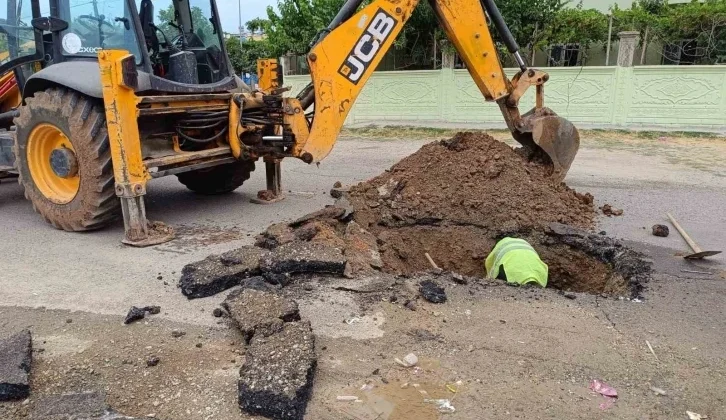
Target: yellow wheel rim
<point>43,140</point>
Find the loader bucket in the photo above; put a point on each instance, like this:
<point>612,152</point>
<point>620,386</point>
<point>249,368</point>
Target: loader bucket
<point>544,132</point>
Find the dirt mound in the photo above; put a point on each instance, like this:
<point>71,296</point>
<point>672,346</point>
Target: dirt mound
<point>454,200</point>
<point>473,180</point>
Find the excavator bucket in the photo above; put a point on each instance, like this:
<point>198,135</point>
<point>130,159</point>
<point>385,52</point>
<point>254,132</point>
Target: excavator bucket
<point>559,139</point>
<point>554,136</point>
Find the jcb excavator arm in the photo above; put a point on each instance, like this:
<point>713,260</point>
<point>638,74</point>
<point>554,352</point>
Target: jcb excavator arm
<point>345,55</point>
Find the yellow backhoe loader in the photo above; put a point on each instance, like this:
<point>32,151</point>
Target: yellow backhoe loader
<point>166,101</point>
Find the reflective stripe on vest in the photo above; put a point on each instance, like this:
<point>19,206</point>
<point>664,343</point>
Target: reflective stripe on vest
<point>503,252</point>
<point>506,245</point>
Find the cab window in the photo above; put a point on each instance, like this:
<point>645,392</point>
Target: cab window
<point>97,25</point>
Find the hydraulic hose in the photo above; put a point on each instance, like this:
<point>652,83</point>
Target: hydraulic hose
<point>496,16</point>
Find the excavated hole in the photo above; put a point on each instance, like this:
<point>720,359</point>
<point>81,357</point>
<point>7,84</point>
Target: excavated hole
<point>590,264</point>
<point>454,199</point>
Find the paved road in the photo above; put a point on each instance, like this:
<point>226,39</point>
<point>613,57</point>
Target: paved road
<point>93,272</point>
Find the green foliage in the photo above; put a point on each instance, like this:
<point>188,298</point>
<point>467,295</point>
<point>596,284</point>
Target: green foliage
<point>637,18</point>
<point>257,25</point>
<point>534,23</point>
<point>522,16</point>
<point>575,25</point>
<point>296,23</point>
<point>244,54</point>
<point>165,18</point>
<point>703,23</point>
<point>202,26</point>
<point>417,37</point>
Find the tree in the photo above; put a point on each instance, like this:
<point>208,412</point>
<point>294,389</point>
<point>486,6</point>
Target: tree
<point>699,29</point>
<point>417,38</point>
<point>637,18</point>
<point>696,30</point>
<point>244,55</point>
<point>524,16</point>
<point>297,22</point>
<point>257,25</point>
<point>575,25</point>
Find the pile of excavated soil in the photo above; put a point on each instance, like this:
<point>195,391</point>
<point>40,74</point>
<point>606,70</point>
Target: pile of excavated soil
<point>470,180</point>
<point>454,199</point>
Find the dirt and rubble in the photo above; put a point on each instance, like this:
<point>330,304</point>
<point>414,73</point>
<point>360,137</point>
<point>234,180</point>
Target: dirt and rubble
<point>505,351</point>
<point>444,206</point>
<point>453,200</point>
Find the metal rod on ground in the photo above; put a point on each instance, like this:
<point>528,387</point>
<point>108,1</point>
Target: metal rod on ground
<point>698,253</point>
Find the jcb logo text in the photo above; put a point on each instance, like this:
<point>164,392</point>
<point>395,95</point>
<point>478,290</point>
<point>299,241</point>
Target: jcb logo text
<point>368,46</point>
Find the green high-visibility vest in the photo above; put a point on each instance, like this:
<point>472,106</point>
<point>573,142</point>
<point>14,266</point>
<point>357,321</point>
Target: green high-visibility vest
<point>520,261</point>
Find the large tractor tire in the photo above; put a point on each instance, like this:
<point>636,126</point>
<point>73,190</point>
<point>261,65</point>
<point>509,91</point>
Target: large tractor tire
<point>64,160</point>
<point>218,179</point>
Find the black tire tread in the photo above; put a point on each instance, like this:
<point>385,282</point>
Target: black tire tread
<point>96,204</point>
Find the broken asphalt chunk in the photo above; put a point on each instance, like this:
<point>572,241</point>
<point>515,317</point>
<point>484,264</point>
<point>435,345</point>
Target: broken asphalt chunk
<point>276,279</point>
<point>274,236</point>
<point>432,291</point>
<point>609,210</point>
<point>304,257</point>
<point>337,192</point>
<point>15,359</point>
<point>259,283</point>
<point>347,207</point>
<point>277,377</point>
<point>217,273</point>
<point>134,315</point>
<point>329,212</point>
<point>153,309</point>
<point>259,313</point>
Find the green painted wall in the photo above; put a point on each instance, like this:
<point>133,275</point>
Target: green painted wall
<point>642,97</point>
